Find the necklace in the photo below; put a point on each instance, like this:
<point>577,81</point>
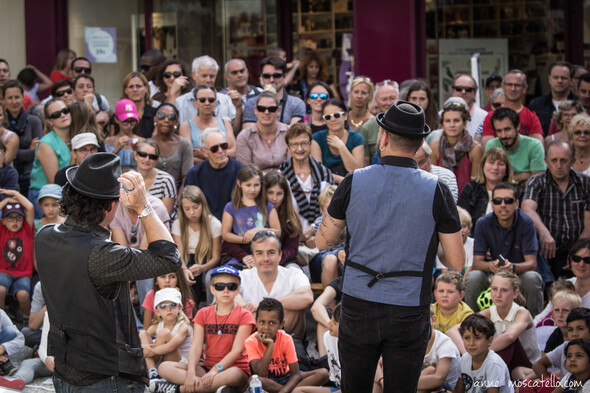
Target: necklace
<point>357,125</point>
<point>223,324</point>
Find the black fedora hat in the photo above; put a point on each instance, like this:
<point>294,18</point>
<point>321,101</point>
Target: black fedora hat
<point>405,119</point>
<point>97,176</point>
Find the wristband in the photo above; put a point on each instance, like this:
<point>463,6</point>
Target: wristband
<point>219,367</point>
<point>146,211</point>
<point>513,268</point>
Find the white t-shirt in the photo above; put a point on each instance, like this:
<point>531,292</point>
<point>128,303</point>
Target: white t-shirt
<point>557,358</point>
<point>443,347</point>
<point>331,344</point>
<point>468,246</point>
<point>573,384</point>
<point>288,281</point>
<point>492,373</point>
<point>193,236</point>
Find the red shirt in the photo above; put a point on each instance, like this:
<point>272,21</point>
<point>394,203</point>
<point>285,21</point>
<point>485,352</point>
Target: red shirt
<point>283,353</point>
<point>529,123</point>
<point>17,251</point>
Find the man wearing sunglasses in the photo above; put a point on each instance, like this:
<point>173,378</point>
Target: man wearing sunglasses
<point>265,278</point>
<point>217,175</point>
<point>272,73</point>
<point>82,66</point>
<point>149,65</point>
<point>236,74</point>
<point>558,201</point>
<point>464,86</point>
<point>506,233</point>
<point>526,154</point>
<point>515,86</point>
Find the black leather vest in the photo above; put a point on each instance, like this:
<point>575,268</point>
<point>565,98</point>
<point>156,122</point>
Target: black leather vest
<point>88,331</point>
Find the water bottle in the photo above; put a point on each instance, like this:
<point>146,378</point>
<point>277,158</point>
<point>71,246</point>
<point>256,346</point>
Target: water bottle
<point>255,384</point>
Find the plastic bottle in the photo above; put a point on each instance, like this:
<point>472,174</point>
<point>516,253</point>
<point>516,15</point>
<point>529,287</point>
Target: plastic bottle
<point>255,384</point>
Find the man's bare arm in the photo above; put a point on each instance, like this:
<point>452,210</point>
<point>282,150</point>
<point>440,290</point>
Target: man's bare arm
<point>329,232</point>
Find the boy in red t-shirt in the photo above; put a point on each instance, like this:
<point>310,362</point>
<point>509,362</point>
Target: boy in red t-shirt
<point>271,352</point>
<point>16,239</point>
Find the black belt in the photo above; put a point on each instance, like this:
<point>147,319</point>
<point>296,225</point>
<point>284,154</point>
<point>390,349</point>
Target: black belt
<point>378,276</point>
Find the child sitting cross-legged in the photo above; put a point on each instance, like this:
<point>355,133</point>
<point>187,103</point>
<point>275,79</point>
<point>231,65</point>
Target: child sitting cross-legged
<point>450,309</point>
<point>271,353</point>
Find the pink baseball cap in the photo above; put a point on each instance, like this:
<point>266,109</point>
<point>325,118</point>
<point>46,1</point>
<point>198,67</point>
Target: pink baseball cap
<point>125,109</point>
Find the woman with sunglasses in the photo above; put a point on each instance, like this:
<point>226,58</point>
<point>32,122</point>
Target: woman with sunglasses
<point>53,152</point>
<point>9,138</point>
<point>63,90</point>
<point>360,99</point>
<point>206,101</point>
<point>125,137</point>
<point>173,80</point>
<point>158,183</point>
<point>27,127</point>
<point>264,143</point>
<point>319,92</point>
<point>176,153</point>
<point>456,150</point>
<point>136,89</point>
<point>339,149</point>
<point>579,133</point>
<point>579,260</point>
<point>558,129</point>
<point>420,94</point>
<point>494,168</point>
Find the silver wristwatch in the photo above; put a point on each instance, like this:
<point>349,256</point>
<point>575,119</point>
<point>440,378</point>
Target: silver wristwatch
<point>146,211</point>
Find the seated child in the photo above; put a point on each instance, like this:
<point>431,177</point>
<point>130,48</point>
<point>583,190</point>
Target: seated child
<point>16,239</point>
<point>577,353</point>
<point>319,310</point>
<point>171,280</point>
<point>48,201</point>
<point>450,309</point>
<point>171,329</point>
<point>330,339</point>
<point>219,332</point>
<point>563,303</point>
<point>271,353</point>
<point>441,362</point>
<point>544,317</point>
<point>481,368</point>
<point>466,223</point>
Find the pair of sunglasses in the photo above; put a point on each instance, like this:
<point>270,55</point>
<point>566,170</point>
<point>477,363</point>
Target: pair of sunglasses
<point>210,99</point>
<point>276,75</point>
<point>143,154</point>
<point>215,148</point>
<point>231,286</point>
<point>459,89</point>
<point>321,96</point>
<point>580,132</point>
<point>85,70</point>
<point>134,229</point>
<point>63,92</point>
<point>336,115</point>
<point>175,74</point>
<point>507,200</point>
<point>163,306</point>
<point>57,114</point>
<point>162,116</point>
<point>577,259</point>
<point>271,109</point>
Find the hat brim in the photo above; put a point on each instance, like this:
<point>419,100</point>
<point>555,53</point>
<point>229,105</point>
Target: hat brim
<point>401,130</point>
<point>71,174</point>
<point>49,195</point>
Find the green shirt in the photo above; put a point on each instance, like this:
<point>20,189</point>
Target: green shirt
<point>62,151</point>
<point>369,131</point>
<point>528,157</point>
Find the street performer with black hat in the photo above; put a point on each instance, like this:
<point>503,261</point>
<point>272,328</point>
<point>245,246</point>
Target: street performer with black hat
<point>395,215</point>
<point>84,278</point>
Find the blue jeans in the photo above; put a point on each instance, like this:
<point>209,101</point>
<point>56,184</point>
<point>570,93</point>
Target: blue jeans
<point>369,330</point>
<point>7,333</point>
<point>109,384</point>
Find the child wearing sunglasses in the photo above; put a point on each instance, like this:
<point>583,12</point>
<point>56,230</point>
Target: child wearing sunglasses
<point>219,332</point>
<point>171,330</point>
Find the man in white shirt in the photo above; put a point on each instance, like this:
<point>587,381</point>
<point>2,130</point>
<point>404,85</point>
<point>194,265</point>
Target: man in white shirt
<point>465,87</point>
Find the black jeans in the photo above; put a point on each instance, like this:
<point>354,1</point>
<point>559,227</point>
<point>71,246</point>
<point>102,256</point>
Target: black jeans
<point>369,330</point>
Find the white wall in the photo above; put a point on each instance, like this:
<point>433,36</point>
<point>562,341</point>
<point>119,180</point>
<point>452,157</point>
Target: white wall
<point>12,33</point>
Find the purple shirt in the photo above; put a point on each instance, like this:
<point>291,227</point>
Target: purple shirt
<point>247,217</point>
<point>251,149</point>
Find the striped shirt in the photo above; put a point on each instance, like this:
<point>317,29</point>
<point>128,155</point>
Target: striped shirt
<point>562,213</point>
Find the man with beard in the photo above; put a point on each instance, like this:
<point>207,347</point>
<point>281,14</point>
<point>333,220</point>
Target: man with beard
<point>526,154</point>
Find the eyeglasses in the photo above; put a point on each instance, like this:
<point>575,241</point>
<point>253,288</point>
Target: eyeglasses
<point>362,78</point>
<point>496,104</point>
<point>163,115</point>
<point>568,115</point>
<point>459,89</point>
<point>507,200</point>
<point>210,99</point>
<point>296,145</point>
<point>85,70</point>
<point>16,217</point>
<point>276,75</point>
<point>321,96</point>
<point>134,229</point>
<point>175,74</point>
<point>57,114</point>
<point>215,148</point>
<point>236,72</point>
<point>163,306</point>
<point>145,67</point>
<point>90,150</point>
<point>130,122</point>
<point>388,82</point>
<point>578,259</point>
<point>143,154</point>
<point>62,93</point>
<point>262,108</point>
<point>336,115</point>
<point>231,286</point>
<point>456,105</point>
<point>263,234</point>
<point>580,132</point>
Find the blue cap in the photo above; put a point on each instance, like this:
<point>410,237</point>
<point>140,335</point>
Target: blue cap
<point>226,269</point>
<point>49,190</point>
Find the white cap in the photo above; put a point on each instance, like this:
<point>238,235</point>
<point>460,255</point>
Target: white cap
<point>83,139</point>
<point>168,294</point>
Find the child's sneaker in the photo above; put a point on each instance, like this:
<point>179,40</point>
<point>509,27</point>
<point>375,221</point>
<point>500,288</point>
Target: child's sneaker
<point>16,384</point>
<point>153,373</point>
<point>163,386</point>
<point>226,389</point>
<point>8,368</point>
